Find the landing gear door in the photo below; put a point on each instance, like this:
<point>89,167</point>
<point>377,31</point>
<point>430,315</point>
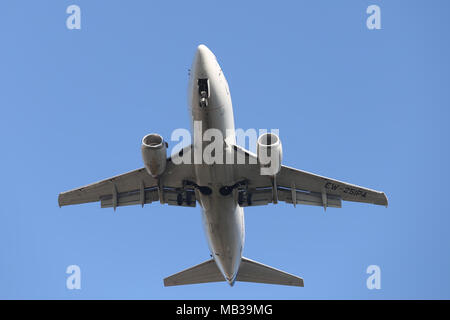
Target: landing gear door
<point>203,92</point>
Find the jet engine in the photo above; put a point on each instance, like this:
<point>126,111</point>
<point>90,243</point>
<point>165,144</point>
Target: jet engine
<point>154,154</point>
<point>270,153</point>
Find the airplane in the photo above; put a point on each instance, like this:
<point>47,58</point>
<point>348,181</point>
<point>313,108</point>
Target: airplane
<point>222,190</point>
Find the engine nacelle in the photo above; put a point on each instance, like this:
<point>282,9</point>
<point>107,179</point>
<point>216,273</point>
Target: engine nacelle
<point>270,153</point>
<point>154,154</point>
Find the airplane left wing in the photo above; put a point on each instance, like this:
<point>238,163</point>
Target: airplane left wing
<point>138,187</point>
<point>297,187</point>
<point>294,178</point>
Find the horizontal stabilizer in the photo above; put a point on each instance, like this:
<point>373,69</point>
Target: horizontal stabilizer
<point>252,271</point>
<point>249,271</point>
<point>201,273</point>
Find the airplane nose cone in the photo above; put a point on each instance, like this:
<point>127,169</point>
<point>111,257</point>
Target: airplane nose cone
<point>203,59</point>
<point>203,51</point>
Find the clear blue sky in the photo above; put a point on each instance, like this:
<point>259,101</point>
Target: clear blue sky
<point>367,107</point>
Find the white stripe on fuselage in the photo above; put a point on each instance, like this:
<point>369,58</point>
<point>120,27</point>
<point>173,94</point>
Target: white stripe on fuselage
<point>223,218</point>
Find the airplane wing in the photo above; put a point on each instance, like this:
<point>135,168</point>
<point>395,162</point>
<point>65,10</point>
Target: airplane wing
<point>138,187</point>
<point>298,187</point>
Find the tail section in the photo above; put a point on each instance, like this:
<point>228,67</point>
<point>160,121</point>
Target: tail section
<point>201,273</point>
<point>252,271</point>
<point>249,271</point>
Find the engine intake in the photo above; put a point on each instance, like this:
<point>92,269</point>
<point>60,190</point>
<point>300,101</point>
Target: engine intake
<point>154,154</point>
<point>270,153</point>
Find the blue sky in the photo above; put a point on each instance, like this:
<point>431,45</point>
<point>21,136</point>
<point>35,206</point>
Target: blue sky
<point>370,107</point>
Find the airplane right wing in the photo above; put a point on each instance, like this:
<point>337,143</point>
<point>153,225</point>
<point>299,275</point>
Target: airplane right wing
<point>138,188</point>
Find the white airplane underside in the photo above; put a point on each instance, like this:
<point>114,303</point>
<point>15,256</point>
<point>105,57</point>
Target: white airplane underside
<point>221,190</point>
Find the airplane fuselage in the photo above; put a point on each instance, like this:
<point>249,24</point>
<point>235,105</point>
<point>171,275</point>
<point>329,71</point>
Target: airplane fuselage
<point>223,218</point>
